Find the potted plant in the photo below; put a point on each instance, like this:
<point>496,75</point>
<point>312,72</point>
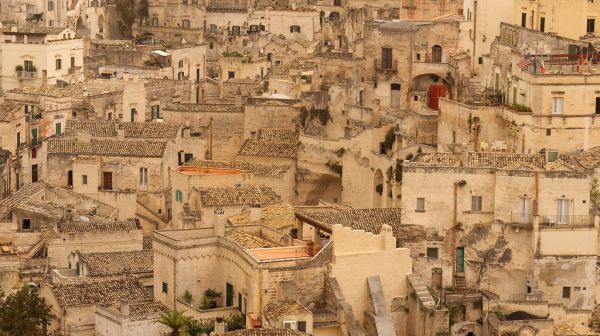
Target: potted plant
<point>19,67</point>
<point>205,304</point>
<point>187,297</point>
<point>211,294</point>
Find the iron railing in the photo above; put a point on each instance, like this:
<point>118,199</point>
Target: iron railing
<point>559,221</point>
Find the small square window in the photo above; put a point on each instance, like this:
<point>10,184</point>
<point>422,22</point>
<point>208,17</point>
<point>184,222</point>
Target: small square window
<point>84,179</point>
<point>480,60</point>
<point>231,74</point>
<point>165,287</point>
<point>548,131</point>
<point>418,57</point>
<point>420,204</point>
<point>432,253</point>
<point>566,292</point>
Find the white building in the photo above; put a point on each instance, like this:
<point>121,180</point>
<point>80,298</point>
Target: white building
<point>40,56</point>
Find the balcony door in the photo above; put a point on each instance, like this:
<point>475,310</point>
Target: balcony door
<point>525,209</point>
<point>562,211</point>
<point>386,58</point>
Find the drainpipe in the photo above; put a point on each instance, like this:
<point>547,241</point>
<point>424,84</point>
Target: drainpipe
<point>474,35</point>
<point>457,184</point>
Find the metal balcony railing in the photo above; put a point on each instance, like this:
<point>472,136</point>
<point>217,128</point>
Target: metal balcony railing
<point>521,218</point>
<point>560,221</point>
<point>527,297</point>
<point>27,74</point>
<point>386,67</point>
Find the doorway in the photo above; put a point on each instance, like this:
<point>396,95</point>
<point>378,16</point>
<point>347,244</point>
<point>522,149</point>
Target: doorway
<point>460,260</point>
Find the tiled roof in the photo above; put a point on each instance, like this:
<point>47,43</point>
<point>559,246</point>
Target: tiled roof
<point>245,195</point>
<point>147,242</point>
<point>65,146</point>
<point>269,149</point>
<point>7,110</point>
<point>95,224</point>
<point>246,166</point>
<point>107,128</point>
<point>588,159</point>
<point>278,135</point>
<point>25,192</point>
<point>369,220</point>
<point>205,108</point>
<point>96,292</point>
<point>158,82</point>
<point>284,308</point>
<point>146,307</point>
<point>119,263</point>
<point>248,240</point>
<point>74,90</point>
<point>265,332</point>
<point>489,160</point>
<point>278,216</point>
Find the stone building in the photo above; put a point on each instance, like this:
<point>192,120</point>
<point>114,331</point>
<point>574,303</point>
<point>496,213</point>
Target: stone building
<point>129,318</point>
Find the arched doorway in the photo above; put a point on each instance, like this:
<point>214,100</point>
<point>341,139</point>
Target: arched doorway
<point>378,189</point>
<point>101,24</point>
<point>436,54</point>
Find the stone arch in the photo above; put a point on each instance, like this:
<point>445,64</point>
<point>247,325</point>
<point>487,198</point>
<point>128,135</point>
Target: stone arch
<point>101,24</point>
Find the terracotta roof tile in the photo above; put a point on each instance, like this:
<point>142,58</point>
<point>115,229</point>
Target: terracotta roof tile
<point>118,263</point>
<point>81,223</point>
<point>280,135</point>
<point>279,216</point>
<point>269,149</point>
<point>248,240</point>
<point>246,166</point>
<point>369,220</point>
<point>278,310</point>
<point>96,292</point>
<point>265,332</point>
<point>245,195</point>
<point>65,146</point>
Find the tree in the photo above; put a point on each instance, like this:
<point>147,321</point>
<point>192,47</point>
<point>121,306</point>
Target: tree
<point>127,11</point>
<point>142,10</point>
<point>174,319</point>
<point>199,327</point>
<point>24,313</point>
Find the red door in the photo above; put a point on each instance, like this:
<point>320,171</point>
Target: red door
<point>435,92</point>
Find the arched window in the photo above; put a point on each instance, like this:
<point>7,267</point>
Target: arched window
<point>180,75</point>
<point>436,54</point>
<point>181,64</point>
<point>50,5</point>
<point>154,22</point>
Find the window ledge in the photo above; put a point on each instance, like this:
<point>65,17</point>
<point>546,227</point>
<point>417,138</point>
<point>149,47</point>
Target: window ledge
<point>417,210</point>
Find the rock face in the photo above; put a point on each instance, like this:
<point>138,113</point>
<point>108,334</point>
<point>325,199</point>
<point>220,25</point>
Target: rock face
<point>497,255</point>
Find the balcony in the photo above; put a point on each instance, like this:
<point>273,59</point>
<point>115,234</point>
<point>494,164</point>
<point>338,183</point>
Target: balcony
<point>527,297</point>
<point>566,221</point>
<point>27,74</point>
<point>386,68</point>
<point>519,218</point>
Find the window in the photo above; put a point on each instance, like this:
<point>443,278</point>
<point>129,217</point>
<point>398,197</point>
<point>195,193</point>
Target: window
<point>181,64</point>
<point>50,6</point>
<point>290,325</point>
<point>566,292</point>
<point>133,115</point>
<point>420,204</point>
<point>523,20</point>
<point>188,157</point>
<point>432,253</point>
<point>165,287</point>
<point>178,196</point>
<point>18,139</point>
<point>34,135</point>
<point>34,173</point>
<point>58,128</point>
<point>235,30</point>
<point>591,25</point>
<point>302,326</point>
<point>262,27</point>
<point>107,180</point>
<point>34,153</point>
<point>185,23</point>
<point>70,179</point>
<point>155,109</point>
<point>386,58</point>
<point>143,177</point>
<point>28,66</point>
<point>228,294</point>
<point>542,24</point>
<point>231,74</point>
<point>84,179</point>
<point>26,224</point>
<point>557,105</point>
<point>335,3</point>
<point>211,45</point>
<point>58,64</point>
<point>552,155</point>
<point>548,131</point>
<point>72,61</point>
<point>597,111</point>
<point>480,60</point>
<point>418,56</point>
<point>436,54</point>
<point>154,22</point>
<point>294,29</point>
<point>476,203</point>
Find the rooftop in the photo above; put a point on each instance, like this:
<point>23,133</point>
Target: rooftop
<point>205,108</point>
<point>269,149</point>
<point>245,166</point>
<point>279,135</point>
<point>66,146</point>
<point>244,195</point>
<point>278,310</point>
<point>108,128</point>
<point>98,291</point>
<point>82,223</point>
<point>369,220</point>
<point>118,263</point>
<point>248,240</point>
<point>7,110</point>
<point>75,90</point>
<point>265,332</point>
<point>278,216</point>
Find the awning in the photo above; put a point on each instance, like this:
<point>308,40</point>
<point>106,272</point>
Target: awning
<point>161,53</point>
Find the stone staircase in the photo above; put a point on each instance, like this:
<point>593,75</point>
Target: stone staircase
<point>595,324</point>
<point>460,283</point>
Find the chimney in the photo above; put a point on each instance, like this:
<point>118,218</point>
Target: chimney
<point>219,222</point>
<point>255,213</point>
<point>219,326</point>
<point>124,308</point>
